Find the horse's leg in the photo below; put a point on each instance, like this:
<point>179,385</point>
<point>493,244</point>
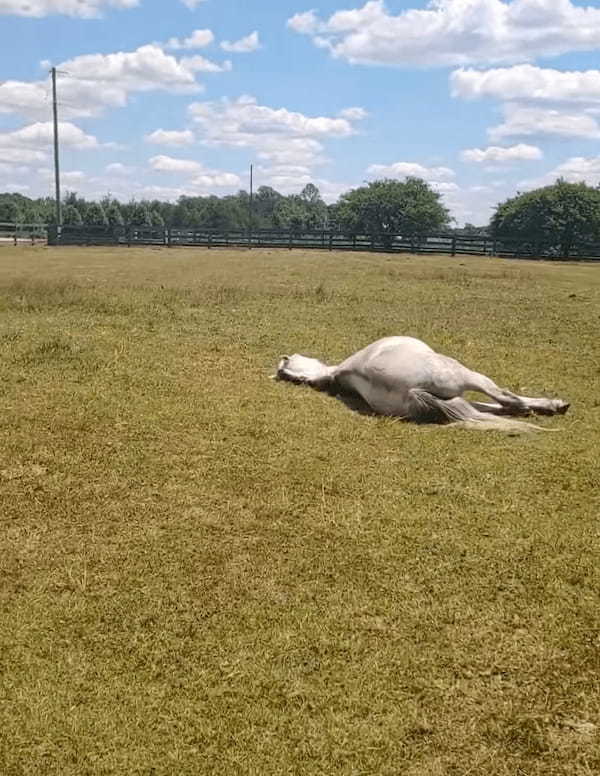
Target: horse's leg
<point>509,402</point>
<point>494,409</point>
<point>542,406</point>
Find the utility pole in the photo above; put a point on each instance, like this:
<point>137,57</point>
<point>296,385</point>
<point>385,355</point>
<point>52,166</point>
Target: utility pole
<point>56,165</point>
<point>250,208</point>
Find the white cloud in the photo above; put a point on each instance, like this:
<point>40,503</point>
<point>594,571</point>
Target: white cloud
<point>67,177</point>
<point>306,23</point>
<point>523,121</point>
<point>11,169</point>
<point>411,169</point>
<point>290,179</point>
<point>353,114</point>
<point>32,143</point>
<point>284,151</point>
<point>41,134</point>
<point>574,170</point>
<point>171,164</point>
<point>444,187</point>
<point>86,9</point>
<point>145,69</point>
<point>170,137</point>
<point>21,155</point>
<point>454,32</point>
<point>212,179</point>
<point>242,121</point>
<point>192,4</point>
<point>527,83</point>
<point>28,98</point>
<point>97,81</point>
<point>16,187</point>
<point>204,178</point>
<point>198,64</point>
<point>280,137</point>
<point>288,144</point>
<point>116,168</point>
<point>198,39</point>
<point>519,152</point>
<point>243,45</point>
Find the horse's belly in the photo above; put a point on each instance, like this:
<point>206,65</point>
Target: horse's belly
<point>383,400</point>
<point>385,373</point>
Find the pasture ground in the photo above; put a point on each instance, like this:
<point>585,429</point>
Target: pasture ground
<point>205,571</point>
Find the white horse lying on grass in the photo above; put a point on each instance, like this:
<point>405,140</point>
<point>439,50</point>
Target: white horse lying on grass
<point>404,377</point>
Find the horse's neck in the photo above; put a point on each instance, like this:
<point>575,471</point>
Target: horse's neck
<point>324,377</point>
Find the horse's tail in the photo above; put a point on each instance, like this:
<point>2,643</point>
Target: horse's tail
<point>427,408</point>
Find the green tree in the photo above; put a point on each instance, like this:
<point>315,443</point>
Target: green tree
<point>554,219</point>
<point>291,213</point>
<point>472,230</point>
<point>140,215</point>
<point>35,216</point>
<point>182,215</point>
<point>216,215</point>
<point>71,216</point>
<point>114,215</point>
<point>47,207</point>
<point>95,215</point>
<point>410,208</point>
<point>265,203</point>
<point>316,209</point>
<point>71,198</point>
<point>157,219</point>
<point>13,208</point>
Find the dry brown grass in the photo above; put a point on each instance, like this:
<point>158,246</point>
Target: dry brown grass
<point>204,571</point>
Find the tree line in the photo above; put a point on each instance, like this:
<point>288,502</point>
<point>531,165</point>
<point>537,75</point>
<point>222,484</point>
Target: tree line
<point>269,210</point>
<point>555,218</point>
<point>385,206</point>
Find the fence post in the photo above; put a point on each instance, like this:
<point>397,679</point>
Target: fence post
<point>15,235</point>
<point>494,251</point>
<point>330,241</point>
<point>210,239</point>
<point>454,245</point>
<point>290,242</point>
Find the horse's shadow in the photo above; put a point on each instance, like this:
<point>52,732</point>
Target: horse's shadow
<point>356,403</point>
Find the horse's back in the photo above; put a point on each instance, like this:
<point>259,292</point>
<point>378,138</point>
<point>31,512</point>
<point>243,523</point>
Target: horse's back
<point>394,348</point>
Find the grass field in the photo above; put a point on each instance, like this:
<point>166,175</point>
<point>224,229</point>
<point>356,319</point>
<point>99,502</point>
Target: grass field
<point>204,571</point>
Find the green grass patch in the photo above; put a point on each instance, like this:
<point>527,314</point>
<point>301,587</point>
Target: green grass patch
<point>206,571</point>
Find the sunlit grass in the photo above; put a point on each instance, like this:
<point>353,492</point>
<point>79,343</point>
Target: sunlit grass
<point>206,571</point>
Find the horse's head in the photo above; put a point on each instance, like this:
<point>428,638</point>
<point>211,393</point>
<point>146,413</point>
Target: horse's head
<point>301,369</point>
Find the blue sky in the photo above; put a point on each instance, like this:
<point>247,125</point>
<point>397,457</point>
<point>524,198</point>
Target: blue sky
<point>160,98</point>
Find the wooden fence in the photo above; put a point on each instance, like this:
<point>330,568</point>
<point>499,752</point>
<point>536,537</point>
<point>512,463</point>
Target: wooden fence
<point>452,244</point>
<point>18,233</point>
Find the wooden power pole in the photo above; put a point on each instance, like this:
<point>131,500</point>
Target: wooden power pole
<point>56,164</point>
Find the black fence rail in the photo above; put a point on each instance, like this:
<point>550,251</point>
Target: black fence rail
<point>19,233</point>
<point>453,244</point>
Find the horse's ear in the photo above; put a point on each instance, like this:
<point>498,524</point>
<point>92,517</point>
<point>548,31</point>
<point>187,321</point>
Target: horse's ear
<point>285,358</point>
